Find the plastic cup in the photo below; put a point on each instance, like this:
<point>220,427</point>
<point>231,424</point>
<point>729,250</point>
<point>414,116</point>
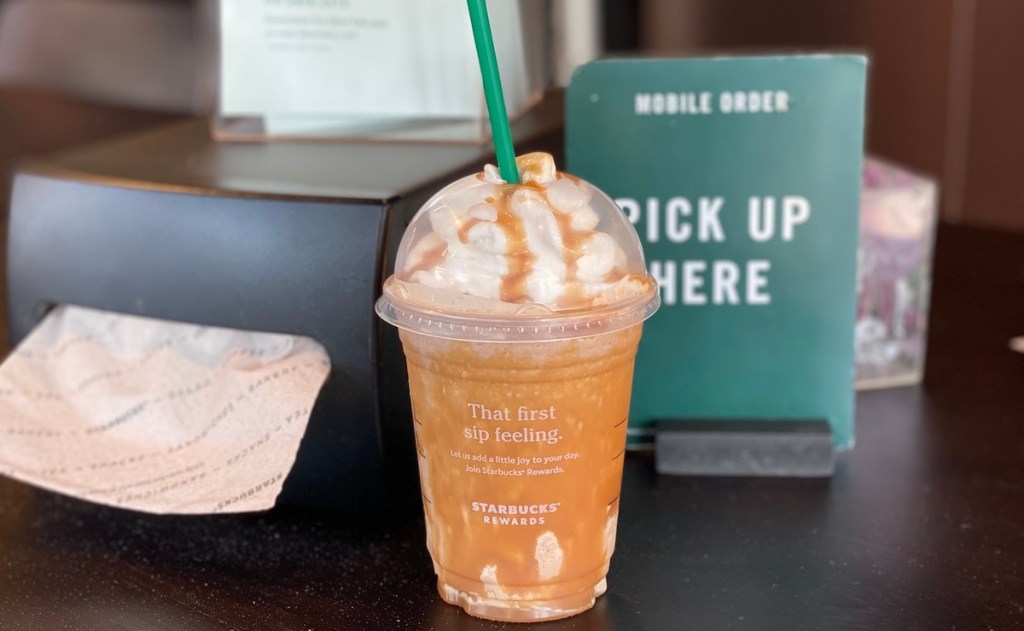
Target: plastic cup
<point>520,413</point>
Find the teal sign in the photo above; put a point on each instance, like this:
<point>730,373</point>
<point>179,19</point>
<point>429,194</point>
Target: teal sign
<point>742,178</point>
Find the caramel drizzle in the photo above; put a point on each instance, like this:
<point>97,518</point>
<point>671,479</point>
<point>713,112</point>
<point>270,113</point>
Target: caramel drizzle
<point>572,249</point>
<point>575,294</point>
<point>466,227</point>
<point>520,258</point>
<point>431,259</point>
<point>572,240</point>
<point>614,275</point>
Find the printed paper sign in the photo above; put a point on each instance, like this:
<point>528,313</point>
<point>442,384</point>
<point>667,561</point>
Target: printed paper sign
<point>362,58</point>
<point>742,177</point>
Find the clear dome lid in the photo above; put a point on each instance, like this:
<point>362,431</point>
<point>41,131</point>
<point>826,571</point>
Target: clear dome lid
<point>549,258</point>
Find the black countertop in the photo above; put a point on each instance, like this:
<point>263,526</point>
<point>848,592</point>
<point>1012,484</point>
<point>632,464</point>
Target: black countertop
<point>922,526</point>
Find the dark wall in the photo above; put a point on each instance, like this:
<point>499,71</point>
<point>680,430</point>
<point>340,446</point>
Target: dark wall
<point>993,188</point>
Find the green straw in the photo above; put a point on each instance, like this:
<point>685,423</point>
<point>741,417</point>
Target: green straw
<point>492,91</point>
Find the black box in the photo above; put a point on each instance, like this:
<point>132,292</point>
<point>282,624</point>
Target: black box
<point>281,237</point>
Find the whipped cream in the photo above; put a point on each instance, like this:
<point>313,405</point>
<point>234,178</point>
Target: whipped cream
<point>535,242</point>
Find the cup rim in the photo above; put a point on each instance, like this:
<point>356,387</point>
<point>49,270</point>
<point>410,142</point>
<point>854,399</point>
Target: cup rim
<point>555,325</point>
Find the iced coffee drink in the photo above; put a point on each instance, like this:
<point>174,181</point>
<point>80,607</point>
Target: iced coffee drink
<point>520,309</point>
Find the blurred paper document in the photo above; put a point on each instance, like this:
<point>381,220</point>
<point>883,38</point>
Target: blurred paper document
<point>156,416</point>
